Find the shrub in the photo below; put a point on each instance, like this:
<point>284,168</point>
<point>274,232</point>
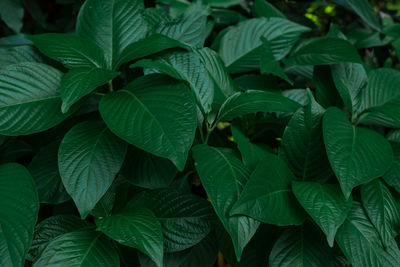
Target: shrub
<point>198,134</point>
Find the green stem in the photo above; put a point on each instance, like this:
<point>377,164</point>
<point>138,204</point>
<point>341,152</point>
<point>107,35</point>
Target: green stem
<point>98,94</point>
<point>110,86</point>
<point>201,134</point>
<point>209,131</point>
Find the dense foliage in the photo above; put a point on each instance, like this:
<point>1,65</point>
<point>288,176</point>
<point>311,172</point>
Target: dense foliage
<point>177,134</point>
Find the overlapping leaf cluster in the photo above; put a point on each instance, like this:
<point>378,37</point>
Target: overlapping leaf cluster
<point>160,136</point>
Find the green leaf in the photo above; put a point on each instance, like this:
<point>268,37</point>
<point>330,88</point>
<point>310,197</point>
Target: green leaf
<point>300,246</point>
<point>324,51</point>
<point>268,64</point>
<point>112,25</point>
<point>269,188</point>
<point>155,114</point>
<point>223,176</point>
<point>79,82</point>
<point>148,46</point>
<point>263,8</point>
<point>18,54</point>
<point>325,203</point>
<point>223,83</point>
<point>391,176</point>
<point>72,51</point>
<point>84,248</point>
<point>185,66</point>
<point>382,209</point>
<point>360,242</point>
<point>52,227</point>
<point>18,213</point>
<point>366,12</point>
<point>146,170</point>
<point>89,158</point>
<point>185,219</point>
<point>302,144</point>
<point>241,46</point>
<point>352,151</point>
<point>350,80</point>
<point>137,228</point>
<point>252,154</point>
<point>253,101</point>
<point>30,100</point>
<point>12,13</point>
<point>380,98</point>
<point>190,28</point>
<point>44,170</point>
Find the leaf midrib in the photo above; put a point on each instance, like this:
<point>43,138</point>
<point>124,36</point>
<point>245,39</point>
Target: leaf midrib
<point>137,100</point>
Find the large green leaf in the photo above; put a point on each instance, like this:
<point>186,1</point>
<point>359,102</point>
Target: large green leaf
<point>148,46</point>
<point>302,144</point>
<point>155,114</point>
<point>83,248</point>
<point>325,203</point>
<point>188,67</point>
<point>18,54</point>
<point>352,151</point>
<point>269,189</point>
<point>381,98</point>
<point>224,86</point>
<point>89,158</point>
<point>268,64</point>
<point>382,209</point>
<point>72,51</point>
<point>138,228</point>
<point>252,154</point>
<point>81,81</point>
<point>44,170</point>
<point>185,219</point>
<point>18,213</point>
<point>30,99</point>
<point>361,244</point>
<point>190,28</point>
<point>350,79</point>
<point>223,176</point>
<point>146,170</point>
<point>324,51</point>
<point>12,13</point>
<point>52,227</point>
<point>112,25</point>
<point>301,247</point>
<point>252,101</point>
<point>241,46</point>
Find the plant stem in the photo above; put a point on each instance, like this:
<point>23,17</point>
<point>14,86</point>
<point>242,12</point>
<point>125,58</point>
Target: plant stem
<point>110,86</point>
